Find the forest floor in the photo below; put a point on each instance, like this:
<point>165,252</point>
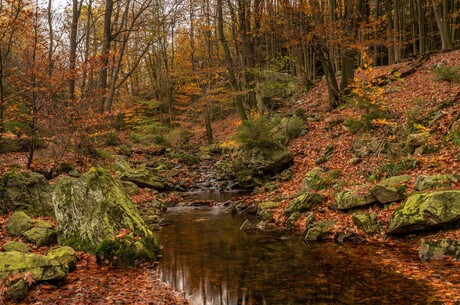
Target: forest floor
<point>416,95</point>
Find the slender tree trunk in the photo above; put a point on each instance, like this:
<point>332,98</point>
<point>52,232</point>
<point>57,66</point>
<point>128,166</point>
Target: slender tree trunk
<point>76,8</point>
<point>103,73</point>
<point>421,26</point>
<point>438,14</point>
<point>239,98</point>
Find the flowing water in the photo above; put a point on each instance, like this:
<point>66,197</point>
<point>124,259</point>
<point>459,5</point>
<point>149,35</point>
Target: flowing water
<point>208,257</point>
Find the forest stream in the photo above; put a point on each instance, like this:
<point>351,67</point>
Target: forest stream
<point>207,256</point>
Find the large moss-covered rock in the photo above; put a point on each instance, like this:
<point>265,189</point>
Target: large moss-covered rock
<point>254,166</point>
<point>91,211</point>
<point>41,267</point>
<point>130,188</point>
<point>304,203</point>
<point>17,246</point>
<point>19,223</point>
<point>423,182</point>
<point>438,249</point>
<point>348,199</point>
<point>426,211</point>
<point>65,255</point>
<point>41,236</point>
<point>143,177</point>
<point>319,230</point>
<point>369,223</point>
<point>391,189</point>
<point>25,191</point>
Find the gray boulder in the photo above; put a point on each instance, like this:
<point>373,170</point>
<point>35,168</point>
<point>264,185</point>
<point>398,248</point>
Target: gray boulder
<point>348,199</point>
<point>426,211</point>
<point>423,183</point>
<point>27,191</point>
<point>94,214</point>
<point>41,236</point>
<point>438,249</point>
<point>391,189</point>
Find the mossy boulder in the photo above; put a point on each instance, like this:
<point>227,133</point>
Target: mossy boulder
<point>26,191</point>
<point>17,246</point>
<point>348,199</point>
<point>289,128</point>
<point>391,189</point>
<point>93,209</point>
<point>41,236</point>
<point>65,255</point>
<point>319,230</point>
<point>40,223</point>
<point>426,211</point>
<point>369,223</point>
<point>41,267</point>
<point>253,167</point>
<point>126,251</point>
<point>16,290</point>
<point>265,210</point>
<point>417,139</point>
<point>423,183</point>
<point>438,249</point>
<point>19,223</point>
<point>143,177</point>
<point>304,203</point>
<point>130,188</point>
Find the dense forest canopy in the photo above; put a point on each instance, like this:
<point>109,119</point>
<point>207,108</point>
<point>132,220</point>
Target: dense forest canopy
<point>67,77</point>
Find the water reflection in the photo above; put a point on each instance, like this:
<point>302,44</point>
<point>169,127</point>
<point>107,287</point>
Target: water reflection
<point>207,256</point>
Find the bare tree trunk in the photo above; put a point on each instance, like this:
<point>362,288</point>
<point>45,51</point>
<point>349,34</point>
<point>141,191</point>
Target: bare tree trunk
<point>421,26</point>
<point>438,14</point>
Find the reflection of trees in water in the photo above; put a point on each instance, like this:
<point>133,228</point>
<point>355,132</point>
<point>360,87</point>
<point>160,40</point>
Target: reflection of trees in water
<point>219,265</point>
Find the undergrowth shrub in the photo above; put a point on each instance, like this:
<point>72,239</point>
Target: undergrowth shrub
<point>257,134</point>
<point>397,167</point>
<point>447,73</point>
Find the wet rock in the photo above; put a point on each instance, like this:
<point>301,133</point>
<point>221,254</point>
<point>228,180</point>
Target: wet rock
<point>17,246</point>
<point>391,189</point>
<point>319,230</point>
<point>41,236</point>
<point>65,255</point>
<point>426,211</point>
<point>438,249</point>
<point>304,203</point>
<point>164,221</point>
<point>423,182</point>
<point>19,223</point>
<point>248,225</point>
<point>348,199</point>
<point>252,209</point>
<point>369,223</point>
<point>27,191</point>
<point>91,211</point>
